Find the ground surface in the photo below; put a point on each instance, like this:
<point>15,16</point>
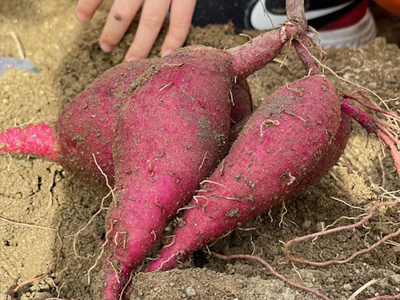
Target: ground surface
<point>43,207</point>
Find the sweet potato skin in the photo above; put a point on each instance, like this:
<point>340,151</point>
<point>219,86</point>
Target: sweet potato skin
<point>242,103</point>
<point>36,140</point>
<point>170,135</point>
<point>86,125</point>
<point>275,157</point>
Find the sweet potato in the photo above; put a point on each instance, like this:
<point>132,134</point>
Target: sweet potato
<point>86,125</point>
<point>170,135</point>
<point>274,157</point>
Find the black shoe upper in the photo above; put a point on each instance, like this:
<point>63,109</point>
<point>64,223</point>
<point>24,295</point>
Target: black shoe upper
<point>239,11</point>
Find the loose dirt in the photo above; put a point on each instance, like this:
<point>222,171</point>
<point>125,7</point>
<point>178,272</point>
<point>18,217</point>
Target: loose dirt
<point>42,207</point>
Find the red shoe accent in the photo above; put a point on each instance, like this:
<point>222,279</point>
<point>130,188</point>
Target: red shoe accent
<point>352,17</point>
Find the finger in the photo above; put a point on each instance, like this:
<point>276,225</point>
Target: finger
<point>120,17</point>
<point>153,15</point>
<point>179,25</point>
<point>85,9</point>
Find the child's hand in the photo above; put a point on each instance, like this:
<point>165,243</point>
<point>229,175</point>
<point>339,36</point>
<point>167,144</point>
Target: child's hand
<point>153,14</point>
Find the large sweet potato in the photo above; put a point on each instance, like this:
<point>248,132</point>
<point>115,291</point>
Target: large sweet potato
<point>86,125</point>
<point>289,142</point>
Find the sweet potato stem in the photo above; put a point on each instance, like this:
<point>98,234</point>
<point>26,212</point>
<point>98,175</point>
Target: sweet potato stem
<point>254,55</point>
<point>32,140</point>
<point>374,108</point>
<point>295,12</point>
<point>362,117</point>
<point>302,45</point>
<point>374,125</point>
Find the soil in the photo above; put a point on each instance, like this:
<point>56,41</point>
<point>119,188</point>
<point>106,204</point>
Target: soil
<point>46,248</point>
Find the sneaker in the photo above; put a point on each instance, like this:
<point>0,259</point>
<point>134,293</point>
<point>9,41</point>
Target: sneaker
<point>340,23</point>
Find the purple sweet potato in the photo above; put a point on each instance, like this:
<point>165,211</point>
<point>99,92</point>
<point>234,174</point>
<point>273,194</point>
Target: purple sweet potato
<point>282,149</point>
<point>86,125</point>
<point>193,90</point>
<point>170,135</point>
<point>84,128</point>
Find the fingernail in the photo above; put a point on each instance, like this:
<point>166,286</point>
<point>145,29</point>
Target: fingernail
<point>105,47</point>
<point>166,52</point>
<point>81,17</point>
<point>131,58</point>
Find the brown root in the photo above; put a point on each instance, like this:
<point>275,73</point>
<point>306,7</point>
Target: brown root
<point>273,272</point>
<point>369,214</point>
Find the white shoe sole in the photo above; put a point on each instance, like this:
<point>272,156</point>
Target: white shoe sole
<point>352,36</point>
